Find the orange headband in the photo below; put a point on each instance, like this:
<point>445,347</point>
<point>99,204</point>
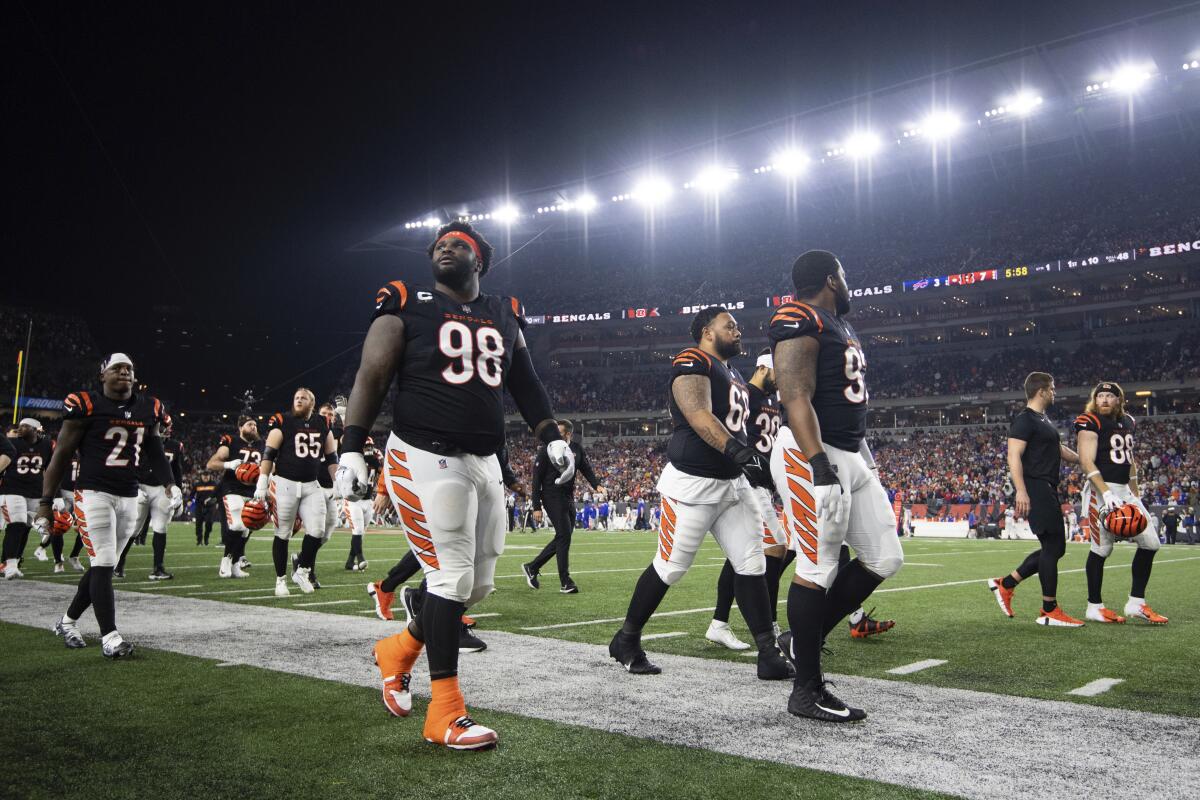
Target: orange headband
<point>466,237</point>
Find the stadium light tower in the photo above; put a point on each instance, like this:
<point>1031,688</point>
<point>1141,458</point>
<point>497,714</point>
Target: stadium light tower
<point>585,203</point>
<point>713,180</point>
<point>862,144</point>
<point>507,213</point>
<point>790,162</point>
<point>1024,103</point>
<point>1130,78</point>
<point>940,125</point>
<point>652,191</point>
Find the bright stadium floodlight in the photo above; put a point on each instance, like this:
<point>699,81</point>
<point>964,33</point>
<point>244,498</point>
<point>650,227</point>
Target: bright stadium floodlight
<point>432,222</point>
<point>651,191</point>
<point>790,162</point>
<point>584,203</point>
<point>862,145</point>
<point>1128,79</point>
<point>940,125</point>
<point>507,214</point>
<point>713,179</point>
<point>1024,103</point>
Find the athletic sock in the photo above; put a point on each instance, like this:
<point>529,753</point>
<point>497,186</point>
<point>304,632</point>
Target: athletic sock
<point>1008,582</point>
<point>852,586</point>
<point>647,595</point>
<point>1143,560</point>
<point>124,553</point>
<point>309,546</point>
<point>405,568</point>
<point>83,597</point>
<point>441,622</point>
<point>751,591</point>
<point>279,554</point>
<point>158,542</point>
<point>104,602</point>
<point>806,615</point>
<point>1095,577</point>
<point>856,616</point>
<point>724,593</point>
<point>56,547</point>
<point>77,548</point>
<point>1049,605</point>
<point>774,570</point>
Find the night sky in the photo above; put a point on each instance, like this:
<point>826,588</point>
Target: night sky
<point>220,159</point>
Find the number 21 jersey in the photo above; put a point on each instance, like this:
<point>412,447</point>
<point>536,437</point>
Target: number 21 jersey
<point>114,438</point>
<point>455,364</point>
<point>840,396</point>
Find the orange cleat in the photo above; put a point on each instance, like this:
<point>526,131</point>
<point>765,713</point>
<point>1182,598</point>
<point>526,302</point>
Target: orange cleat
<point>1058,619</point>
<point>396,696</point>
<point>383,600</point>
<point>1003,596</point>
<point>468,622</point>
<point>462,733</point>
<point>870,627</point>
<point>1143,611</point>
<point>1104,615</point>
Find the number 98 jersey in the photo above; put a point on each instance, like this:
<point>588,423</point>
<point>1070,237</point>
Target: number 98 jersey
<point>840,396</point>
<point>686,451</point>
<point>114,438</point>
<point>455,366</point>
<point>1114,444</point>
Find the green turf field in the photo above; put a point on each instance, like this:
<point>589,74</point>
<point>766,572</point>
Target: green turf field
<point>942,608</point>
<point>168,726</point>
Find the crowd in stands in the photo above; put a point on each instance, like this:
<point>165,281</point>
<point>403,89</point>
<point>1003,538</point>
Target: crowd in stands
<point>60,350</point>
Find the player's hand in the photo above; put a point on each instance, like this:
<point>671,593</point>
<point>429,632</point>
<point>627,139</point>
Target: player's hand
<point>260,488</point>
<point>560,455</point>
<point>234,464</point>
<point>43,520</point>
<point>175,494</point>
<point>752,463</point>
<point>1111,501</point>
<point>1021,507</point>
<point>382,501</point>
<point>351,481</point>
<point>832,501</point>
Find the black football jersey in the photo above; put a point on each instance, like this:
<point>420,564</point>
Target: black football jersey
<point>686,451</point>
<point>1042,458</point>
<point>24,475</point>
<point>1114,444</point>
<point>248,452</point>
<point>840,396</point>
<point>303,450</point>
<point>762,426</point>
<point>6,449</point>
<point>114,438</point>
<point>68,481</point>
<point>173,450</point>
<point>374,461</point>
<point>455,365</point>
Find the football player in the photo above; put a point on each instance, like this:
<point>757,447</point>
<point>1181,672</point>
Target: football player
<point>361,512</point>
<point>22,486</point>
<point>704,487</point>
<point>299,446</point>
<point>114,431</point>
<point>155,507</point>
<point>453,351</point>
<point>233,450</point>
<point>826,474</point>
<point>1104,438</point>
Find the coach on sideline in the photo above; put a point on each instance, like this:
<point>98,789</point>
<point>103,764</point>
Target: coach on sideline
<point>559,502</point>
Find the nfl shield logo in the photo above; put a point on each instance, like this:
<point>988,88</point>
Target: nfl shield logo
<point>467,309</point>
<point>128,414</point>
<point>442,463</point>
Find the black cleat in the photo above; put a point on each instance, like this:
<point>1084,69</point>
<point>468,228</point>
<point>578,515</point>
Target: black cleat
<point>569,587</point>
<point>772,666</point>
<point>531,577</point>
<point>408,599</point>
<point>350,564</point>
<point>119,572</point>
<point>627,650</point>
<point>120,650</point>
<point>468,642</point>
<point>785,646</point>
<point>814,700</point>
<point>160,574</point>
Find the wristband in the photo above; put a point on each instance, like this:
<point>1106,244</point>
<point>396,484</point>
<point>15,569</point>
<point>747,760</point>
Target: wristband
<point>549,434</point>
<point>354,438</point>
<point>1090,474</point>
<point>269,453</point>
<point>331,459</point>
<point>824,472</point>
<point>48,500</point>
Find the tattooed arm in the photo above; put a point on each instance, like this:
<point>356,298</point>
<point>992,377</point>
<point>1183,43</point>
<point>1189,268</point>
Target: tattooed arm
<point>693,395</point>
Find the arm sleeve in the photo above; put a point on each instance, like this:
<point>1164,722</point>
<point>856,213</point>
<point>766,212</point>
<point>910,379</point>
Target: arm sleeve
<point>177,465</point>
<point>507,476</point>
<point>527,390</point>
<point>584,467</point>
<point>541,466</point>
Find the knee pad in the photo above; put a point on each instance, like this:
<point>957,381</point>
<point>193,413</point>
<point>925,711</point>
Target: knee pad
<point>887,566</point>
<point>447,506</point>
<point>668,573</point>
<point>752,564</point>
<point>479,592</point>
<point>279,534</point>
<point>1102,550</point>
<point>1148,540</point>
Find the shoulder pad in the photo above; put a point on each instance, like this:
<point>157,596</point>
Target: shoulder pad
<point>1087,422</point>
<point>391,298</point>
<point>78,405</point>
<point>795,319</point>
<point>691,361</point>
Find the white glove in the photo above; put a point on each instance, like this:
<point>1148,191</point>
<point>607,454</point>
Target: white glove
<point>237,462</point>
<point>175,494</point>
<point>1111,501</point>
<point>351,480</point>
<point>563,460</point>
<point>59,504</point>
<point>260,489</point>
<point>832,502</point>
<point>42,526</point>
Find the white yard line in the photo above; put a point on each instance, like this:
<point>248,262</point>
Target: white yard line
<point>327,603</point>
<point>670,635</point>
<point>1098,686</point>
<point>917,666</point>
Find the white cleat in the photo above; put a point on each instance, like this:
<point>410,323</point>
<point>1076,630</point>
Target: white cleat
<point>1098,613</point>
<point>301,579</point>
<point>75,564</point>
<point>238,572</point>
<point>59,567</point>
<point>720,633</point>
<point>281,589</point>
<point>226,569</point>
<point>11,572</point>
<point>113,646</point>
<point>1139,609</point>
<point>40,554</point>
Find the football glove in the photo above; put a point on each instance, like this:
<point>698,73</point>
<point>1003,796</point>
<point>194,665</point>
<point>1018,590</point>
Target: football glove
<point>234,464</point>
<point>351,480</point>
<point>832,501</point>
<point>260,489</point>
<point>42,526</point>
<point>1111,501</point>
<point>560,455</point>
<point>176,497</point>
<point>753,464</point>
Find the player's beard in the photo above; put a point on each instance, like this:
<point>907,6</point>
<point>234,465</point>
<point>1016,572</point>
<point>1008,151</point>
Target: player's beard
<point>457,277</point>
<point>842,304</point>
<point>729,349</point>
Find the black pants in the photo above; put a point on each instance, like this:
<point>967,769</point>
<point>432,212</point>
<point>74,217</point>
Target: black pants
<point>1170,534</point>
<point>204,521</point>
<point>1046,522</point>
<point>561,512</point>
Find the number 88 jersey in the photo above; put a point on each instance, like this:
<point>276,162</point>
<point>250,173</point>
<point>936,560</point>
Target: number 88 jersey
<point>686,451</point>
<point>455,365</point>
<point>114,437</point>
<point>840,396</point>
<point>1114,444</point>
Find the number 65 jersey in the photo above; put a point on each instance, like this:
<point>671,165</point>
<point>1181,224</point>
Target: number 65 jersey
<point>455,365</point>
<point>840,396</point>
<point>114,436</point>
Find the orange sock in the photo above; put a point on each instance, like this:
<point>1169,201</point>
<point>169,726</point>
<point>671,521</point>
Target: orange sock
<point>446,706</point>
<point>397,654</point>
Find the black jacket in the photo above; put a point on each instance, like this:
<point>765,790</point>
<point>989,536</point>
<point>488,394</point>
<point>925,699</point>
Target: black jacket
<point>544,475</point>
